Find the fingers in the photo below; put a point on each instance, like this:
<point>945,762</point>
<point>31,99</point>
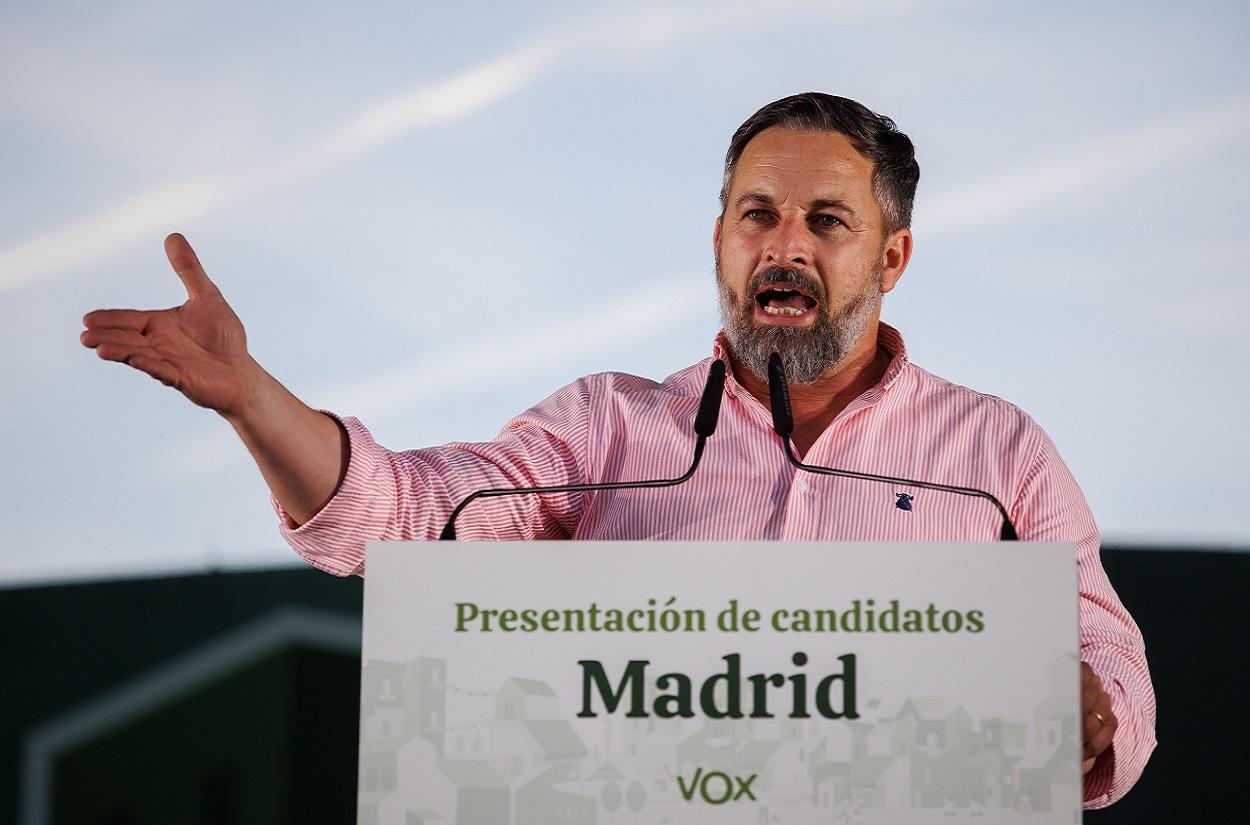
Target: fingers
<point>116,334</point>
<point>101,319</point>
<point>1098,728</point>
<point>182,258</point>
<point>1098,722</point>
<point>160,370</point>
<point>118,344</point>
<point>132,348</point>
<point>113,338</point>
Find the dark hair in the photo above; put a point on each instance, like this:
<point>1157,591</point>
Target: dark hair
<point>876,137</point>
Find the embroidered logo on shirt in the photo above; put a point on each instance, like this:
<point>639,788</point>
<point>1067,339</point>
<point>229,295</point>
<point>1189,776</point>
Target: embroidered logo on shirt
<point>904,501</point>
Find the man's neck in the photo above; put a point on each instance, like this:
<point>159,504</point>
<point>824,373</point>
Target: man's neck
<point>815,405</point>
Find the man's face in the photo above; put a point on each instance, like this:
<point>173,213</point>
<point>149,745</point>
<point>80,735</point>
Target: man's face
<point>801,256</point>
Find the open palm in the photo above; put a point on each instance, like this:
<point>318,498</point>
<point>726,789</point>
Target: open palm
<point>198,348</point>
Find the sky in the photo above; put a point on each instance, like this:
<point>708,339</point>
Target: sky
<point>433,215</point>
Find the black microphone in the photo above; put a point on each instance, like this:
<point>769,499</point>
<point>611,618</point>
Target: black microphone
<point>783,424</point>
<point>704,425</point>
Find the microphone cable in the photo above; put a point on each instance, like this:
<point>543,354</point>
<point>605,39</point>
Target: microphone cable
<point>783,424</point>
<point>704,425</point>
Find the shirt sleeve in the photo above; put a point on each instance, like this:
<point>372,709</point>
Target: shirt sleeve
<point>408,496</point>
<point>1051,507</point>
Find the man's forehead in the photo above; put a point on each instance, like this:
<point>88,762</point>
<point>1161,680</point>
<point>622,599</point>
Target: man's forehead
<point>781,156</point>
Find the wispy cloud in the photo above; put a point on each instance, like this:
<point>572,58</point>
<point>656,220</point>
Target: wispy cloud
<point>141,217</point>
<point>1074,171</point>
<point>638,28</point>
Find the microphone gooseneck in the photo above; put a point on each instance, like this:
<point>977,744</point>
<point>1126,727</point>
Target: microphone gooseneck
<point>704,425</point>
<point>709,404</point>
<point>783,424</point>
<point>779,394</point>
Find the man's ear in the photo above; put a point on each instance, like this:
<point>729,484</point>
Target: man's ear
<point>894,257</point>
<point>716,232</point>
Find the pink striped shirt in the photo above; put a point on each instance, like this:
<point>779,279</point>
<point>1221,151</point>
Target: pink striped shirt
<point>615,427</point>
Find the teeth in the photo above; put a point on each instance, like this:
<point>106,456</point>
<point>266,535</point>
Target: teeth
<point>771,310</point>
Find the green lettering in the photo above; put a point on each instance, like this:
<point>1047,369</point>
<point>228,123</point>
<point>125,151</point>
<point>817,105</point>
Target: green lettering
<point>633,678</point>
<point>759,687</point>
<point>465,613</point>
<point>847,678</point>
<point>733,691</point>
<point>676,703</point>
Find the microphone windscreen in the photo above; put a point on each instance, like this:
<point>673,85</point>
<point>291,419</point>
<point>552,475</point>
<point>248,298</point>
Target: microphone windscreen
<point>709,404</point>
<point>779,395</point>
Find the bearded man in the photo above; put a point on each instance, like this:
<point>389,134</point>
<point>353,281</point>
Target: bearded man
<point>814,229</point>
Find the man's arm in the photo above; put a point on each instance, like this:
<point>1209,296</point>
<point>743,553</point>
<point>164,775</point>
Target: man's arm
<point>200,349</point>
<point>1115,679</point>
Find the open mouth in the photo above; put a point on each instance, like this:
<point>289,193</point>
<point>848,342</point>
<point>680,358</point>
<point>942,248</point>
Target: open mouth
<point>782,302</point>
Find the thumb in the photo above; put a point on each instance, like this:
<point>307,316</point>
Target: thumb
<point>187,265</point>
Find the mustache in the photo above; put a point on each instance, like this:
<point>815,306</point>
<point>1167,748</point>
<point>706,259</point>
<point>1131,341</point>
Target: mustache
<point>786,276</point>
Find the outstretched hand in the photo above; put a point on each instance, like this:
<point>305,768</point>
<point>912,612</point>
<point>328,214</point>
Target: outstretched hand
<point>198,348</point>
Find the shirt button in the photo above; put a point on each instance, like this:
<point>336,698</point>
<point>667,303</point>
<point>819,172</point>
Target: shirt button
<point>801,485</point>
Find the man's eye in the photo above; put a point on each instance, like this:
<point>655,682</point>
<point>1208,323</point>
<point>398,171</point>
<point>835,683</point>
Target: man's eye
<point>826,221</point>
<point>757,215</point>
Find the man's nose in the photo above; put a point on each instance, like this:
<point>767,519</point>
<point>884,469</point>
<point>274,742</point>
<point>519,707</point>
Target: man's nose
<point>789,244</point>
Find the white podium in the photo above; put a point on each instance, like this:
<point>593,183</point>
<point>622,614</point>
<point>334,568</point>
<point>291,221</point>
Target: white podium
<point>707,682</point>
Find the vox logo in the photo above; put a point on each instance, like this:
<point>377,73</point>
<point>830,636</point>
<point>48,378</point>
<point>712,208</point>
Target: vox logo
<point>716,788</point>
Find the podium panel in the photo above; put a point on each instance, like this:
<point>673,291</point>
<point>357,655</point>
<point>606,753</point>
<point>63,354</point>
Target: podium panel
<point>719,682</point>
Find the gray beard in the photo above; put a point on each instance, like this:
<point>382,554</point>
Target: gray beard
<point>807,353</point>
